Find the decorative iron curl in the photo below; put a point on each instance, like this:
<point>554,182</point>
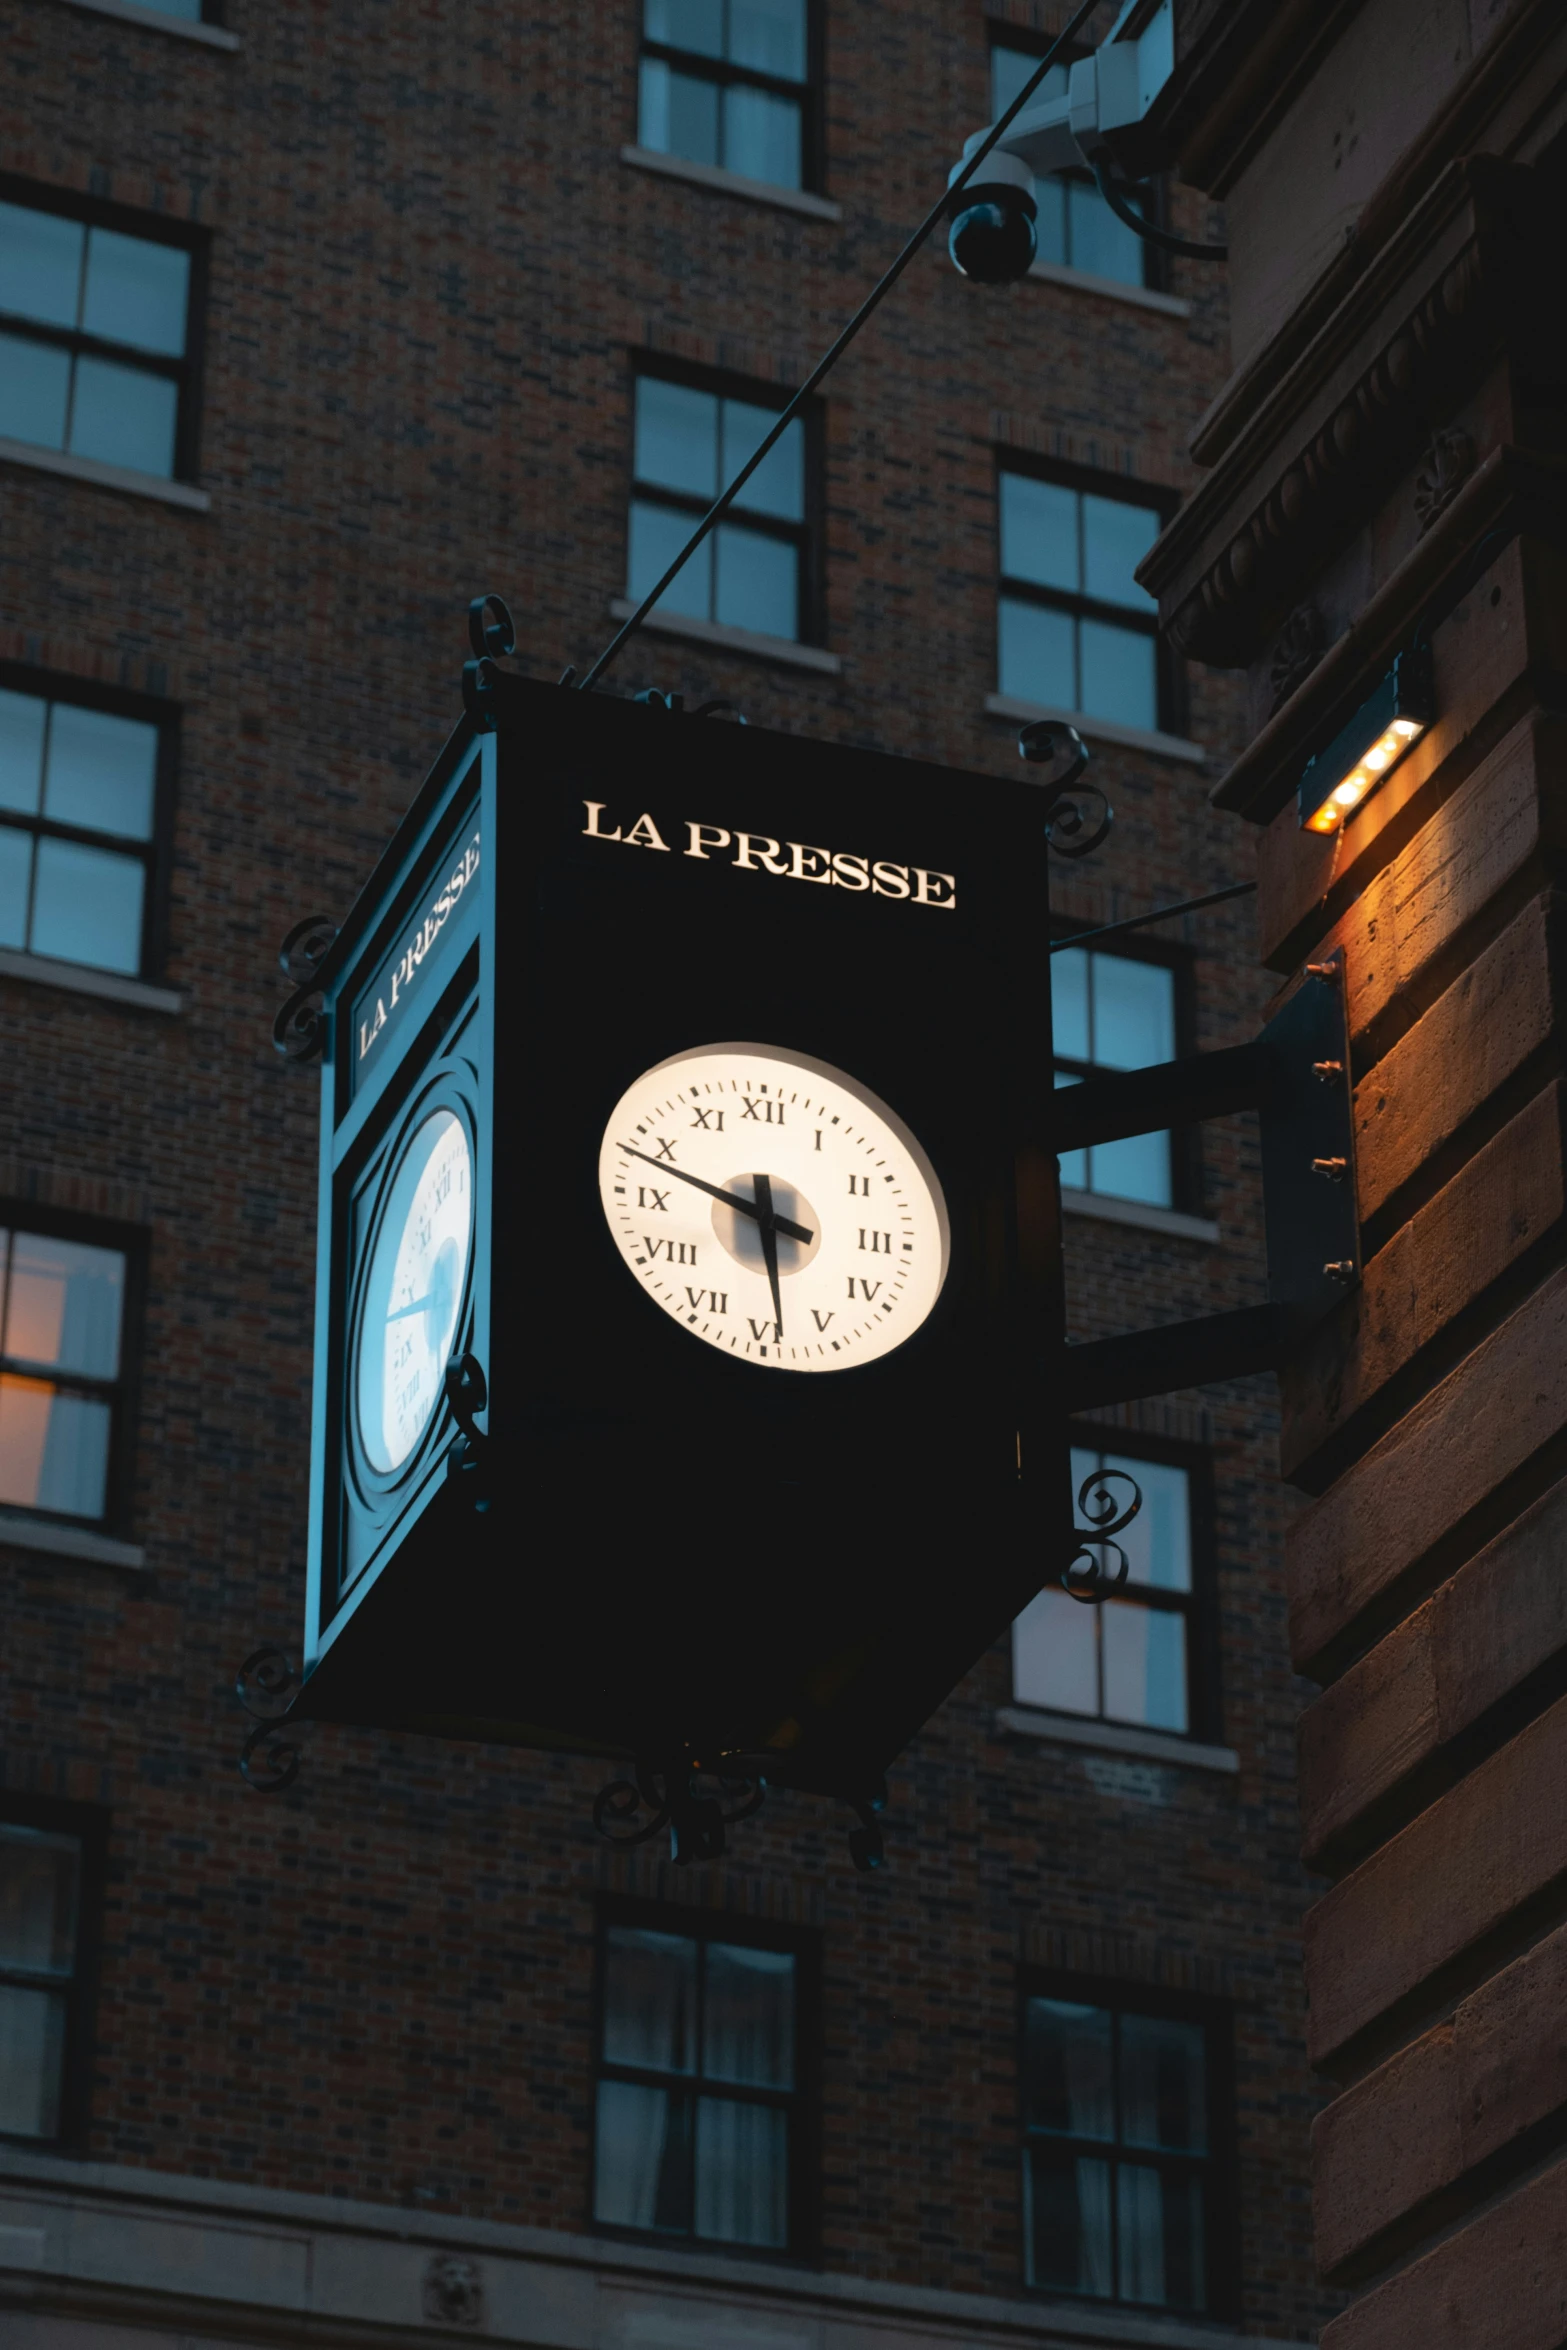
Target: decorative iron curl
<point>299,1032</point>
<point>689,1802</point>
<point>268,1763</point>
<point>1071,826</point>
<point>491,629</point>
<point>1107,1517</point>
<point>267,1674</point>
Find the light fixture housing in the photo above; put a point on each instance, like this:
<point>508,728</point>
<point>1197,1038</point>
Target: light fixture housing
<point>1365,752</point>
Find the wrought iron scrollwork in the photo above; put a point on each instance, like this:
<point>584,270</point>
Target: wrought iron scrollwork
<point>1106,1517</point>
<point>1078,816</point>
<point>299,1031</point>
<point>467,1393</point>
<point>493,635</point>
<point>267,1685</point>
<point>687,1801</point>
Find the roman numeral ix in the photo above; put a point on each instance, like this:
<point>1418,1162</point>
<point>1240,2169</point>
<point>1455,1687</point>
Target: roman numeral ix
<point>648,1198</point>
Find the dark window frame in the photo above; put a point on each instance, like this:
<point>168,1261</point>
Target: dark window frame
<point>1028,43</point>
<point>806,535</point>
<point>1200,1605</point>
<point>154,228</point>
<point>1170,708</point>
<point>802,2103</point>
<point>90,1826</point>
<point>1216,2018</point>
<point>123,1395</point>
<point>1186,1170</point>
<point>156,853</point>
<point>808,95</point>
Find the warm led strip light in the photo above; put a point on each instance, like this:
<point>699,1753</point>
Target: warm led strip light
<point>1370,746</point>
<point>1384,753</point>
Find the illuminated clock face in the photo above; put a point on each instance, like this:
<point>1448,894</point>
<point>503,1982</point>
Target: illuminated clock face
<point>414,1292</point>
<point>774,1208</point>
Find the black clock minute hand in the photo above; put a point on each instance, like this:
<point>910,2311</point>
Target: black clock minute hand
<point>769,1224</point>
<point>731,1199</point>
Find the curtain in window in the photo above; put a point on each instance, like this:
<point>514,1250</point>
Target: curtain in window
<point>32,2036</point>
<point>748,2030</point>
<point>742,2154</point>
<point>642,2157</point>
<point>650,2000</point>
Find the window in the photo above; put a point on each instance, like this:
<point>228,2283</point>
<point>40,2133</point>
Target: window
<point>80,788</point>
<point>749,573</point>
<point>62,1315</point>
<point>1076,228</point>
<point>725,82</point>
<point>1114,1012</point>
<point>1133,1658</point>
<point>1120,2108</point>
<point>93,339</point>
<point>49,1865</point>
<point>698,2094</point>
<point>1076,630</point>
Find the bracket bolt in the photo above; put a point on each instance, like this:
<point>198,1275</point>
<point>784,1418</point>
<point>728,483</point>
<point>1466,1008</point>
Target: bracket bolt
<point>1340,1269</point>
<point>1334,1169</point>
<point>1325,1071</point>
<point>1322,971</point>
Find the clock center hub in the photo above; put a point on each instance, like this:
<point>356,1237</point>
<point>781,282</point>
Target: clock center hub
<point>741,1235</point>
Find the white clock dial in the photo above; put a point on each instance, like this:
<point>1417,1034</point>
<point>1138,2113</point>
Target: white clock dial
<point>774,1208</point>
<point>414,1292</point>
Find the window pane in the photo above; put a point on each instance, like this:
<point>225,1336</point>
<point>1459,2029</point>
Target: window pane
<point>678,113</point>
<point>1145,1666</point>
<point>742,2172</point>
<point>1100,244</point>
<point>1120,676</point>
<point>1055,1655</point>
<point>1158,1542</point>
<point>40,265</point>
<point>1138,1168</point>
<point>16,872</point>
<point>1068,2218</point>
<point>1073,1165</point>
<point>87,906</point>
<point>642,2163</point>
<point>1164,2093</point>
<point>650,2000</point>
<point>769,35</point>
<point>102,771</point>
<point>38,1880</point>
<point>1039,532</point>
<point>687,24</point>
<point>758,582</point>
<point>1010,69</point>
<point>34,382</point>
<point>677,437</point>
<point>762,136</point>
<point>656,537</point>
<point>1116,537</point>
<point>1069,1004</point>
<point>1066,2059</point>
<point>1050,222</point>
<point>21,751</point>
<point>1035,655</point>
<point>1134,1012</point>
<point>778,484</point>
<point>54,1449</point>
<point>32,2048</point>
<point>137,292</point>
<point>1161,2227</point>
<point>748,2023</point>
<point>123,416</point>
<point>63,1305</point>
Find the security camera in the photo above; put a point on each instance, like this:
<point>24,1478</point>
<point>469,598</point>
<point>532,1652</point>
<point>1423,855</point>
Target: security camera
<point>992,237</point>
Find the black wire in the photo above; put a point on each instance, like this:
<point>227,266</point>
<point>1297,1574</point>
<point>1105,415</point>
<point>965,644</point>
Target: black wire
<point>872,301</point>
<point>1076,938</point>
<point>1148,230</point>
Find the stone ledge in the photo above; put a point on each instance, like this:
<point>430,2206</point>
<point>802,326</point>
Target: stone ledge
<point>19,1530</point>
<point>114,987</point>
<point>1142,1218</point>
<point>782,649</point>
<point>1102,730</point>
<point>1032,1721</point>
<point>210,36</point>
<point>731,183</point>
<point>106,477</point>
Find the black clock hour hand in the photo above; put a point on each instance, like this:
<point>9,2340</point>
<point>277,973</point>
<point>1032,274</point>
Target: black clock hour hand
<point>731,1199</point>
<point>769,1225</point>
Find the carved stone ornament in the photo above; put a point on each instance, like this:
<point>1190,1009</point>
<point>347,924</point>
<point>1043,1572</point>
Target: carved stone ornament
<point>453,2291</point>
<point>1437,484</point>
<point>1296,654</point>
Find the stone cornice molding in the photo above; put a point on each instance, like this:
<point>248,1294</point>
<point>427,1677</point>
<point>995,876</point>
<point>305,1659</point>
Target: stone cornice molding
<point>1239,65</point>
<point>1463,280</point>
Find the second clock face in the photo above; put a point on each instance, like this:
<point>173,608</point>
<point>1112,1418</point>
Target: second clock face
<point>774,1207</point>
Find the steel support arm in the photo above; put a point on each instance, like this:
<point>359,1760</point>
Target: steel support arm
<point>1179,1354</point>
<point>1171,1093</point>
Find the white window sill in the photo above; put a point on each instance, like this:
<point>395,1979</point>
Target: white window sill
<point>731,183</point>
<point>1103,730</point>
<point>1082,281</point>
<point>1032,1721</point>
<point>732,640</point>
<point>210,36</point>
<point>1136,1212</point>
<point>21,1531</point>
<point>106,477</point>
<point>82,979</point>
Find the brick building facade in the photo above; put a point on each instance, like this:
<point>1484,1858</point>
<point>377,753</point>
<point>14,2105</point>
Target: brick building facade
<point>313,323</point>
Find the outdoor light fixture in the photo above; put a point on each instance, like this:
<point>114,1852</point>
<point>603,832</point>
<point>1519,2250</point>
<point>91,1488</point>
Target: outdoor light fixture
<point>1367,750</point>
